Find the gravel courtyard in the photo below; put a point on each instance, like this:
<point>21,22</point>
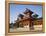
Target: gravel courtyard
<point>36,28</point>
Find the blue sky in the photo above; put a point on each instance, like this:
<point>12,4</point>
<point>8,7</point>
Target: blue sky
<point>16,9</point>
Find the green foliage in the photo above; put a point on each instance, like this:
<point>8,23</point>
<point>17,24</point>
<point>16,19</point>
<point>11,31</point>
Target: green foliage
<point>35,16</point>
<point>11,25</point>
